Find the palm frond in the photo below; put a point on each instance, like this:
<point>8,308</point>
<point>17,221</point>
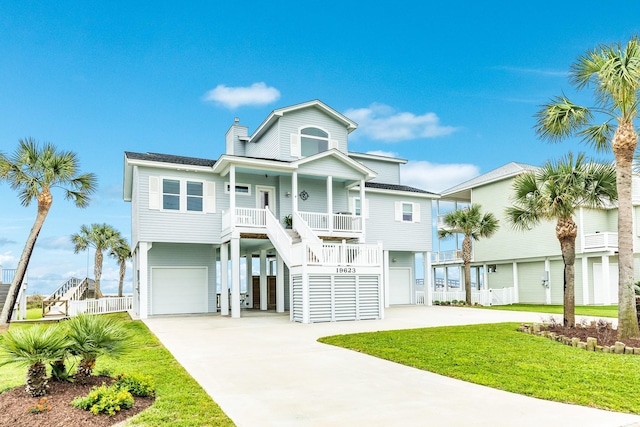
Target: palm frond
<point>561,119</point>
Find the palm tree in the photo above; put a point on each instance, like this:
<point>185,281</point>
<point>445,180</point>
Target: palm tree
<point>556,191</point>
<point>92,336</point>
<point>33,347</point>
<point>121,252</point>
<point>34,170</point>
<point>614,74</point>
<point>101,237</point>
<point>474,225</point>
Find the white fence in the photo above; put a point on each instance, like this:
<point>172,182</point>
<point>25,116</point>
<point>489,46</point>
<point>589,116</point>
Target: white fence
<point>100,306</point>
<point>502,296</point>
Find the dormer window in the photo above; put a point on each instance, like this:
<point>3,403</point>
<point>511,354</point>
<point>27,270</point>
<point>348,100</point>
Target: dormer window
<point>310,141</point>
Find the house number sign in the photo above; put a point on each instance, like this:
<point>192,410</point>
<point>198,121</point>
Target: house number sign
<point>346,270</point>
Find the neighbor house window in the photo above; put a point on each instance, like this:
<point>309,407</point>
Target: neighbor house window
<point>407,212</point>
<point>242,189</point>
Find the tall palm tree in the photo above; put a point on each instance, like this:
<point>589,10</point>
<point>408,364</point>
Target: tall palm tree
<point>101,237</point>
<point>474,225</point>
<point>613,72</point>
<point>121,252</point>
<point>34,170</point>
<point>93,335</point>
<point>555,192</point>
<point>33,347</point>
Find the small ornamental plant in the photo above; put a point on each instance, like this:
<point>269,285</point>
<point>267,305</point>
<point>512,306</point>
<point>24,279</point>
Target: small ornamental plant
<point>137,384</point>
<point>40,406</point>
<point>104,400</point>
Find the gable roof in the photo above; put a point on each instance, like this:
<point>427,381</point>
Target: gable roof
<point>503,172</point>
<point>276,114</point>
<point>370,174</point>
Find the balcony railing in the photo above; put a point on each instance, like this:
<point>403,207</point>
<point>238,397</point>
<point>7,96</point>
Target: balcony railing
<point>596,242</point>
<point>251,217</point>
<point>446,256</point>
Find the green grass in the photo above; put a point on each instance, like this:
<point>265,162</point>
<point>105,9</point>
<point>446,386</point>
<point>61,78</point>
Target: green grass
<point>180,401</point>
<point>589,310</point>
<point>498,356</point>
<point>34,313</point>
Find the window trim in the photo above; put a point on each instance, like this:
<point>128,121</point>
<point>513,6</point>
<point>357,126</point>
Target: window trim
<point>227,186</point>
<point>156,195</point>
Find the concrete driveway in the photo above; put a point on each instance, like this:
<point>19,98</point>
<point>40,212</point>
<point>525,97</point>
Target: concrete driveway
<point>264,370</point>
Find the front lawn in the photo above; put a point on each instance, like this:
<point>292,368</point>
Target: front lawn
<point>498,356</point>
<point>585,310</point>
<point>180,401</point>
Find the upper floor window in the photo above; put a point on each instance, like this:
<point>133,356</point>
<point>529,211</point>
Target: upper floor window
<point>181,195</point>
<point>171,194</point>
<point>407,212</point>
<point>310,141</point>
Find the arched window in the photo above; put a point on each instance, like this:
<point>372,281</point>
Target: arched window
<point>313,141</point>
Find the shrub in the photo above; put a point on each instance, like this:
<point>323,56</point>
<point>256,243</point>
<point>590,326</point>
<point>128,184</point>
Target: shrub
<point>137,384</point>
<point>104,400</point>
<point>34,301</point>
<point>40,406</point>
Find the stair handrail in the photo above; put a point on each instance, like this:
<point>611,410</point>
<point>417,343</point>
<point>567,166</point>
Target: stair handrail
<point>79,290</point>
<point>63,288</point>
<point>279,237</point>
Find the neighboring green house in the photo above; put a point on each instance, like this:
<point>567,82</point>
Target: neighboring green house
<point>355,230</point>
<point>530,262</point>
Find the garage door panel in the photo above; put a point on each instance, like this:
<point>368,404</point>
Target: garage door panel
<point>179,290</point>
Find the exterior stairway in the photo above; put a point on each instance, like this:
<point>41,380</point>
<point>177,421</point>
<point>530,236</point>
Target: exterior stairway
<point>4,291</point>
<point>56,305</point>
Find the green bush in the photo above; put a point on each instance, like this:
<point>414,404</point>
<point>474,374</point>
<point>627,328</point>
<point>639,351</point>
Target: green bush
<point>137,384</point>
<point>34,301</point>
<point>104,400</point>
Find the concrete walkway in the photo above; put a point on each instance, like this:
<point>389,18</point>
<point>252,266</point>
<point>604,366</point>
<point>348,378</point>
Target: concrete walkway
<point>264,370</point>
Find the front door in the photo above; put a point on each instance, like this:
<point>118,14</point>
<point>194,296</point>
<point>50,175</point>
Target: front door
<point>266,197</point>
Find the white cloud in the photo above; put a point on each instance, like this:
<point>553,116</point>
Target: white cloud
<point>382,123</point>
<point>5,241</point>
<point>233,97</point>
<point>56,243</point>
<point>7,259</point>
<point>383,153</point>
<point>436,177</point>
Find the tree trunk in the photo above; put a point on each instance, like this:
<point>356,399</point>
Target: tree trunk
<point>44,204</point>
<point>566,231</point>
<point>624,144</point>
<point>467,249</point>
<point>36,384</point>
<point>123,270</point>
<point>97,271</point>
<point>85,369</point>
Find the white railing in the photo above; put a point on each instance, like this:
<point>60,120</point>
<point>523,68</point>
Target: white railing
<point>64,288</point>
<point>345,222</point>
<point>316,220</point>
<point>446,256</point>
<point>332,222</point>
<point>421,298</point>
<point>279,237</point>
<point>7,274</point>
<point>343,254</point>
<point>601,242</point>
<point>503,296</point>
<point>100,306</point>
<point>302,227</point>
<point>20,307</point>
<point>251,217</point>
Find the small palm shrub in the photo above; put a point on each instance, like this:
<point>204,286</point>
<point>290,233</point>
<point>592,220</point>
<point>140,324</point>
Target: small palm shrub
<point>104,400</point>
<point>138,384</point>
<point>92,336</point>
<point>33,347</point>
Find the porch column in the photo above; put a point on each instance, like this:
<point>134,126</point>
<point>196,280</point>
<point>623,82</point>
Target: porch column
<point>516,284</point>
<point>224,279</point>
<point>232,194</point>
<point>330,202</point>
<point>585,280</point>
<point>446,278</point>
<point>215,278</point>
<point>363,207</point>
<point>428,279</point>
<point>385,273</point>
<point>606,280</point>
<point>235,277</point>
<point>547,267</point>
<point>249,264</point>
<point>294,192</point>
<point>263,280</point>
<point>485,276</point>
<point>279,284</point>
<point>143,280</point>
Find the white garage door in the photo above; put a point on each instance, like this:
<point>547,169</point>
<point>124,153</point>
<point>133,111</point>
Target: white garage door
<point>178,290</point>
<point>399,286</point>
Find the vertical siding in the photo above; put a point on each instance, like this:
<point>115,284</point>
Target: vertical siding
<point>185,255</point>
<point>293,121</point>
<point>396,235</point>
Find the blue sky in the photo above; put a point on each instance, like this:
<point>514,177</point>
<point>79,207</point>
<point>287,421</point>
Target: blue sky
<point>450,86</point>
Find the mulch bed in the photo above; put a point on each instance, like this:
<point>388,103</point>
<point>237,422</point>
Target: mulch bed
<point>605,334</point>
<point>15,404</point>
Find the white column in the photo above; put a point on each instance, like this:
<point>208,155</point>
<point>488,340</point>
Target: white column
<point>385,266</point>
<point>547,267</point>
<point>224,279</point>
<point>428,277</point>
<point>330,202</point>
<point>446,278</point>
<point>235,277</point>
<point>232,195</point>
<point>585,280</point>
<point>144,279</point>
<point>279,284</point>
<point>485,274</point>
<point>363,207</point>
<point>215,277</point>
<point>263,280</point>
<point>606,280</point>
<point>516,287</point>
<point>250,279</point>
<point>294,192</point>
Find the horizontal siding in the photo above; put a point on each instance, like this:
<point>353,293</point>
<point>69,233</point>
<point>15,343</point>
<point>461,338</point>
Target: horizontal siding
<point>293,121</point>
<point>185,255</point>
<point>267,147</point>
<point>329,166</point>
<point>388,172</point>
<point>297,313</point>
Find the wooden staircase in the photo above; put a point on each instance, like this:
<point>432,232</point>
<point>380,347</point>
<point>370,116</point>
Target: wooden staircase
<point>56,305</point>
<point>4,291</point>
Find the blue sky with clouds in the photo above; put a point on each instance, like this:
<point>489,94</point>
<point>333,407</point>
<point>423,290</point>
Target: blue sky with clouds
<point>450,86</point>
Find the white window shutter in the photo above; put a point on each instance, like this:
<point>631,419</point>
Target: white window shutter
<point>295,145</point>
<point>333,144</point>
<point>154,192</point>
<point>398,211</point>
<point>416,212</point>
<point>210,197</point>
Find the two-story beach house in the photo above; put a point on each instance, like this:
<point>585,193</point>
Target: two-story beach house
<point>335,233</point>
<point>530,263</point>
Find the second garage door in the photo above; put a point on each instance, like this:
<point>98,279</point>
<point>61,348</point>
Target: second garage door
<point>177,290</point>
